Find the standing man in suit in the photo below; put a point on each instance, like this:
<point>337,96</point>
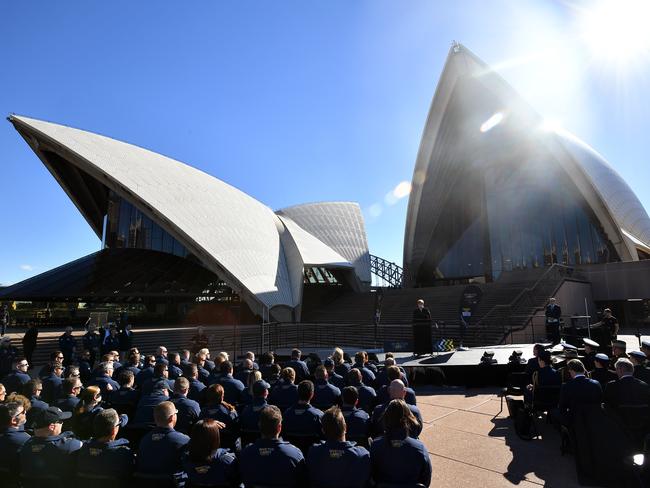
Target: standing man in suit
<point>577,392</point>
<point>29,341</point>
<point>421,329</point>
<point>553,314</point>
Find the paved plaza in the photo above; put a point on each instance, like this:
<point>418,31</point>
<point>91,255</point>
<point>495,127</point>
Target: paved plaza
<point>472,444</point>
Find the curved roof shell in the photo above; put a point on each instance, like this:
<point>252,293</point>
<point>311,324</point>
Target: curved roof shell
<point>340,226</point>
<point>468,93</point>
<point>231,233</point>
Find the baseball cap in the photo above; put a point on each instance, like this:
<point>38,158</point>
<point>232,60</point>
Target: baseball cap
<point>50,415</point>
<point>259,387</point>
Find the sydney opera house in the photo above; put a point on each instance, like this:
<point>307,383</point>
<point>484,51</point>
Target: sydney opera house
<point>494,192</point>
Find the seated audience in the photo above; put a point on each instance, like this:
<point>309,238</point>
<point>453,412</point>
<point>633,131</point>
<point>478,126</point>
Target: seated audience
<point>161,450</point>
<point>232,387</point>
<point>545,375</point>
<point>144,413</point>
<point>360,363</point>
<point>126,398</point>
<point>270,461</point>
<point>397,391</point>
<point>332,376</point>
<point>15,380</point>
<point>577,392</point>
<point>84,413</point>
<point>250,415</point>
<point>601,372</point>
<point>325,394</point>
<point>216,408</point>
<point>626,390</point>
<point>337,463</point>
<point>104,378</point>
<point>299,366</point>
<point>70,389</point>
<point>196,387</point>
<point>356,420</point>
<point>48,458</point>
<point>52,384</point>
<point>394,373</point>
<point>397,457</point>
<point>302,419</point>
<point>106,455</point>
<point>285,392</point>
<point>13,416</point>
<point>188,410</point>
<point>340,366</point>
<point>206,463</point>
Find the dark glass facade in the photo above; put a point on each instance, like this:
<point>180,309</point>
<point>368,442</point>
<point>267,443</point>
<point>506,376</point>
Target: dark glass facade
<point>128,227</point>
<point>524,214</point>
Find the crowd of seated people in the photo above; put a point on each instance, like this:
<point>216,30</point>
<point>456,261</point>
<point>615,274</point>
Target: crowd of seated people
<point>600,403</point>
<point>183,419</point>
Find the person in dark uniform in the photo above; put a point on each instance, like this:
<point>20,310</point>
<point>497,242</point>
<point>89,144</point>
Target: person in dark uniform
<point>396,391</point>
<point>196,387</point>
<point>200,340</point>
<point>367,394</point>
<point>337,462</point>
<point>645,348</point>
<point>576,392</point>
<point>356,420</point>
<point>146,372</point>
<point>546,375</point>
<point>91,341</point>
<point>216,408</point>
<point>245,370</point>
<point>32,391</point>
<point>601,373</point>
<point>125,400</point>
<point>161,450</point>
<point>52,385</point>
<point>12,439</point>
<point>105,454</point>
<point>175,367</point>
<point>626,390</point>
<point>112,342</point>
<point>421,329</point>
<point>50,453</point>
<point>325,394</point>
<point>270,460</point>
<point>366,373</point>
<point>618,352</point>
<point>8,354</point>
<point>29,341</point>
<point>15,380</point>
<point>591,349</point>
<point>610,326</point>
<point>206,463</point>
<point>302,419</point>
<point>90,404</point>
<point>332,376</point>
<point>553,314</point>
<point>4,319</point>
<point>70,389</point>
<point>144,413</point>
<point>641,371</point>
<point>394,373</point>
<point>188,410</point>
<point>533,364</point>
<point>250,415</point>
<point>285,392</point>
<point>233,388</point>
<point>397,457</point>
<point>298,365</point>
<point>341,367</point>
<point>104,379</point>
<point>68,346</point>
<point>126,339</point>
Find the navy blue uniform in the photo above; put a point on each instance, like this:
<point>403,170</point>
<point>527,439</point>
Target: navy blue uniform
<point>357,422</point>
<point>204,374</point>
<point>383,396</point>
<point>222,469</point>
<point>367,397</point>
<point>627,391</point>
<point>196,389</point>
<point>11,441</point>
<point>144,375</point>
<point>103,382</point>
<point>335,464</point>
<point>161,451</point>
<point>378,420</point>
<point>52,455</point>
<point>300,367</point>
<point>37,404</point>
<point>67,345</point>
<point>273,462</point>
<point>124,400</point>
<point>113,459</point>
<point>51,388</point>
<point>250,416</point>
<point>400,459</point>
<point>144,411</point>
<point>174,371</point>
<point>302,419</point>
<point>188,413</point>
<point>222,414</point>
<point>232,389</point>
<point>243,375</point>
<point>14,381</point>
<point>283,395</point>
<point>368,377</point>
<point>336,379</point>
<point>67,403</point>
<point>82,423</point>
<point>85,371</point>
<point>343,369</point>
<point>325,395</point>
<point>577,392</point>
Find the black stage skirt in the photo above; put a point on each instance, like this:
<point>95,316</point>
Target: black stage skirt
<point>422,338</point>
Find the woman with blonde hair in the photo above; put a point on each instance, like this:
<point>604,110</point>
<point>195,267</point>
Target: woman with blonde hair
<point>340,366</point>
<point>247,394</point>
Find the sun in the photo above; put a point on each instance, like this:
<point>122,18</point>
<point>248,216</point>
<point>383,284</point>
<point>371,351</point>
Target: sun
<point>617,31</point>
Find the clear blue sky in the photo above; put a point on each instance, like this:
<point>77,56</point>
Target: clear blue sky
<point>290,101</point>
